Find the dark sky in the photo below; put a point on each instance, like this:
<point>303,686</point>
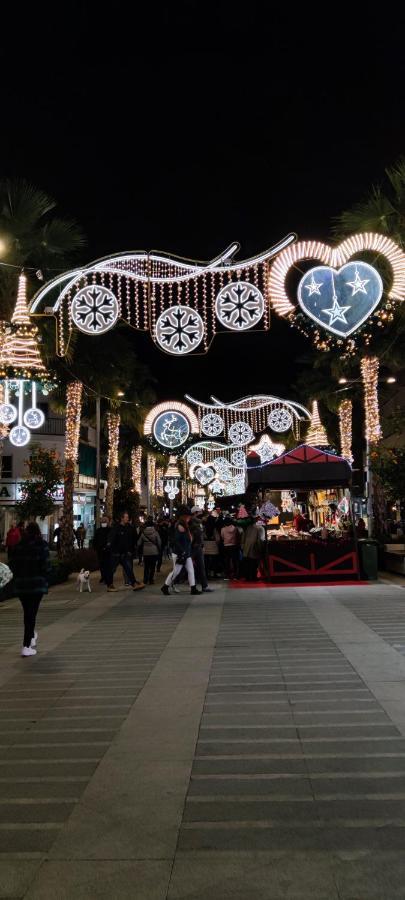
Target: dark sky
<point>187,126</point>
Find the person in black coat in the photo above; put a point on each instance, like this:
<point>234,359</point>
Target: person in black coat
<point>123,545</point>
<point>29,565</point>
<point>102,546</point>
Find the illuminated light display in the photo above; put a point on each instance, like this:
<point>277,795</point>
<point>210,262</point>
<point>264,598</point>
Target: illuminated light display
<point>113,429</point>
<point>151,468</point>
<point>240,433</point>
<point>212,424</point>
<point>345,428</point>
<point>170,424</point>
<point>136,468</point>
<point>238,458</point>
<point>74,393</point>
<point>94,309</point>
<point>239,305</point>
<point>335,258</point>
<point>316,435</point>
<point>253,411</point>
<point>179,330</point>
<point>280,420</point>
<point>340,300</point>
<point>204,474</point>
<point>266,449</point>
<point>369,371</point>
<point>20,351</point>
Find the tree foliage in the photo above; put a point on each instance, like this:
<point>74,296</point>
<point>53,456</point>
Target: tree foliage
<point>38,490</point>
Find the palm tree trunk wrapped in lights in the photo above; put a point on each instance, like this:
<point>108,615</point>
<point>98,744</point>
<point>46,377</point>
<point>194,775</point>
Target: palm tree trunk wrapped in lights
<point>113,428</point>
<point>73,415</point>
<point>369,372</point>
<point>136,468</point>
<point>346,427</point>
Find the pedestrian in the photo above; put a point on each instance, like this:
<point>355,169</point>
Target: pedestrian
<point>361,529</point>
<point>123,544</point>
<point>102,546</point>
<point>231,540</point>
<point>150,545</point>
<point>13,538</point>
<point>182,553</point>
<point>252,546</point>
<point>211,550</point>
<point>163,531</point>
<point>197,548</point>
<point>80,536</point>
<point>29,564</point>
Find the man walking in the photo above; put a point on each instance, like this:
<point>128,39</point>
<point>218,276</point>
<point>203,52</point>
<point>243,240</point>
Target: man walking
<point>197,548</point>
<point>102,546</point>
<point>123,541</point>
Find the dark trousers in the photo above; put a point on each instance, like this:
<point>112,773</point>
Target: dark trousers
<point>250,568</point>
<point>199,565</point>
<point>149,566</point>
<point>30,604</point>
<point>125,560</point>
<point>106,569</point>
<point>231,562</point>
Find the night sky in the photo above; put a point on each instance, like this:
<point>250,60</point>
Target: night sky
<point>185,129</point>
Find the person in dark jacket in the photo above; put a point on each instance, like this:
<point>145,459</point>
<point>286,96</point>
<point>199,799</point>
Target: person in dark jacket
<point>102,546</point>
<point>197,548</point>
<point>149,544</point>
<point>182,552</point>
<point>29,564</point>
<point>123,543</point>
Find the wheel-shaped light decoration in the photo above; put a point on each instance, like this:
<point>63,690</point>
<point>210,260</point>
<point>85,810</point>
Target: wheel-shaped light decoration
<point>179,330</point>
<point>240,433</point>
<point>280,420</point>
<point>222,468</point>
<point>171,429</point>
<point>194,457</point>
<point>8,413</point>
<point>94,309</point>
<point>238,458</point>
<point>204,474</point>
<point>212,424</point>
<point>34,418</point>
<point>19,436</point>
<point>239,305</point>
<point>224,474</point>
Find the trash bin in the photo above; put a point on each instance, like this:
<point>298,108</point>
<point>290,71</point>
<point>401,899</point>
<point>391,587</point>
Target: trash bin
<point>368,550</point>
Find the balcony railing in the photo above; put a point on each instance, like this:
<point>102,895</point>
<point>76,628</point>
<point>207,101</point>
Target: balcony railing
<point>52,426</point>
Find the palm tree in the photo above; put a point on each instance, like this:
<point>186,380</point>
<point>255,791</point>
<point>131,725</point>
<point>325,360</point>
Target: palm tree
<point>74,395</point>
<point>31,235</point>
<point>382,211</point>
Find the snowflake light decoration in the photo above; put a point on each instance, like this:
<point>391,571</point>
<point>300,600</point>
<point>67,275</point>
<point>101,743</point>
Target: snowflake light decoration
<point>94,309</point>
<point>220,462</point>
<point>280,419</point>
<point>8,413</point>
<point>179,330</point>
<point>212,424</point>
<point>240,433</point>
<point>238,458</point>
<point>194,457</point>
<point>239,305</point>
<point>266,449</point>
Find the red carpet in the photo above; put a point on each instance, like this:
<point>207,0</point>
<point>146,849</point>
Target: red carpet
<point>250,585</point>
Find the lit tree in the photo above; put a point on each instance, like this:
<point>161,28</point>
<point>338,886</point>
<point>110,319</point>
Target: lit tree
<point>113,428</point>
<point>74,394</point>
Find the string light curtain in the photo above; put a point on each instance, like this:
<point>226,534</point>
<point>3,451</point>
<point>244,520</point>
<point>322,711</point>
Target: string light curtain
<point>316,434</point>
<point>346,427</point>
<point>113,430</point>
<point>20,351</point>
<point>369,371</point>
<point>136,468</point>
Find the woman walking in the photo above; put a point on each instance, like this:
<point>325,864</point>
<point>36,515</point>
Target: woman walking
<point>149,545</point>
<point>29,564</point>
<point>182,552</point>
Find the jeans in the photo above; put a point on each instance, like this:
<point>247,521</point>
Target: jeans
<point>231,561</point>
<point>125,560</point>
<point>201,576</point>
<point>149,568</point>
<point>30,604</point>
<point>188,565</point>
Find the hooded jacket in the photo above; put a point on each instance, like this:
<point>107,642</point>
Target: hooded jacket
<point>149,541</point>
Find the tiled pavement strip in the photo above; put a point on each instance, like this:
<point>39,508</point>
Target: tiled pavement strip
<point>249,744</point>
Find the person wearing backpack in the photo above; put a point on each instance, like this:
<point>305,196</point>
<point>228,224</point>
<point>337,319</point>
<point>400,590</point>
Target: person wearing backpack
<point>149,544</point>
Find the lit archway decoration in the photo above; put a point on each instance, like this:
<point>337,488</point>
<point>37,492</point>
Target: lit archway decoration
<point>170,424</point>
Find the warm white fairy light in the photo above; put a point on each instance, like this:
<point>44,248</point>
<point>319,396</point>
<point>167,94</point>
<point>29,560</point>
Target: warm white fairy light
<point>369,372</point>
<point>159,481</point>
<point>316,435</point>
<point>151,464</point>
<point>136,468</point>
<point>74,393</point>
<point>334,257</point>
<point>113,428</point>
<point>20,351</point>
<point>345,428</point>
<point>170,406</point>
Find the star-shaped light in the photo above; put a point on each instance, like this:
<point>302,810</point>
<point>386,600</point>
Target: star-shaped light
<point>336,313</point>
<point>313,286</point>
<point>358,284</point>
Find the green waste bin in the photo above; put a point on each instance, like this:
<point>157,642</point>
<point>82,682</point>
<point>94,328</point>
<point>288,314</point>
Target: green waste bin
<point>368,549</point>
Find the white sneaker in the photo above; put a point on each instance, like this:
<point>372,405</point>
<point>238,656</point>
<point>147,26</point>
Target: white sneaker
<point>175,589</point>
<point>34,639</point>
<point>28,651</point>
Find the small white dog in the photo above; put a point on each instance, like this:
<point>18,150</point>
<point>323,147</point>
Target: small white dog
<point>83,580</point>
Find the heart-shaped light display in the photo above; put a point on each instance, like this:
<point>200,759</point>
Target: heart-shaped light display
<point>340,300</point>
<point>204,474</point>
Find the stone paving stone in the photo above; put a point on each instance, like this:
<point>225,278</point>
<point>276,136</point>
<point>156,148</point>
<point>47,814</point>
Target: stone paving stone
<point>102,880</point>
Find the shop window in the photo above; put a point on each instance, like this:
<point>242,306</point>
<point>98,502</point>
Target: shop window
<point>7,467</point>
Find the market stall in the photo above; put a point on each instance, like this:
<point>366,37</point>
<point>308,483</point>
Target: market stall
<point>312,540</point>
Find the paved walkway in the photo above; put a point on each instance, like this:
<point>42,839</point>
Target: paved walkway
<point>246,744</point>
